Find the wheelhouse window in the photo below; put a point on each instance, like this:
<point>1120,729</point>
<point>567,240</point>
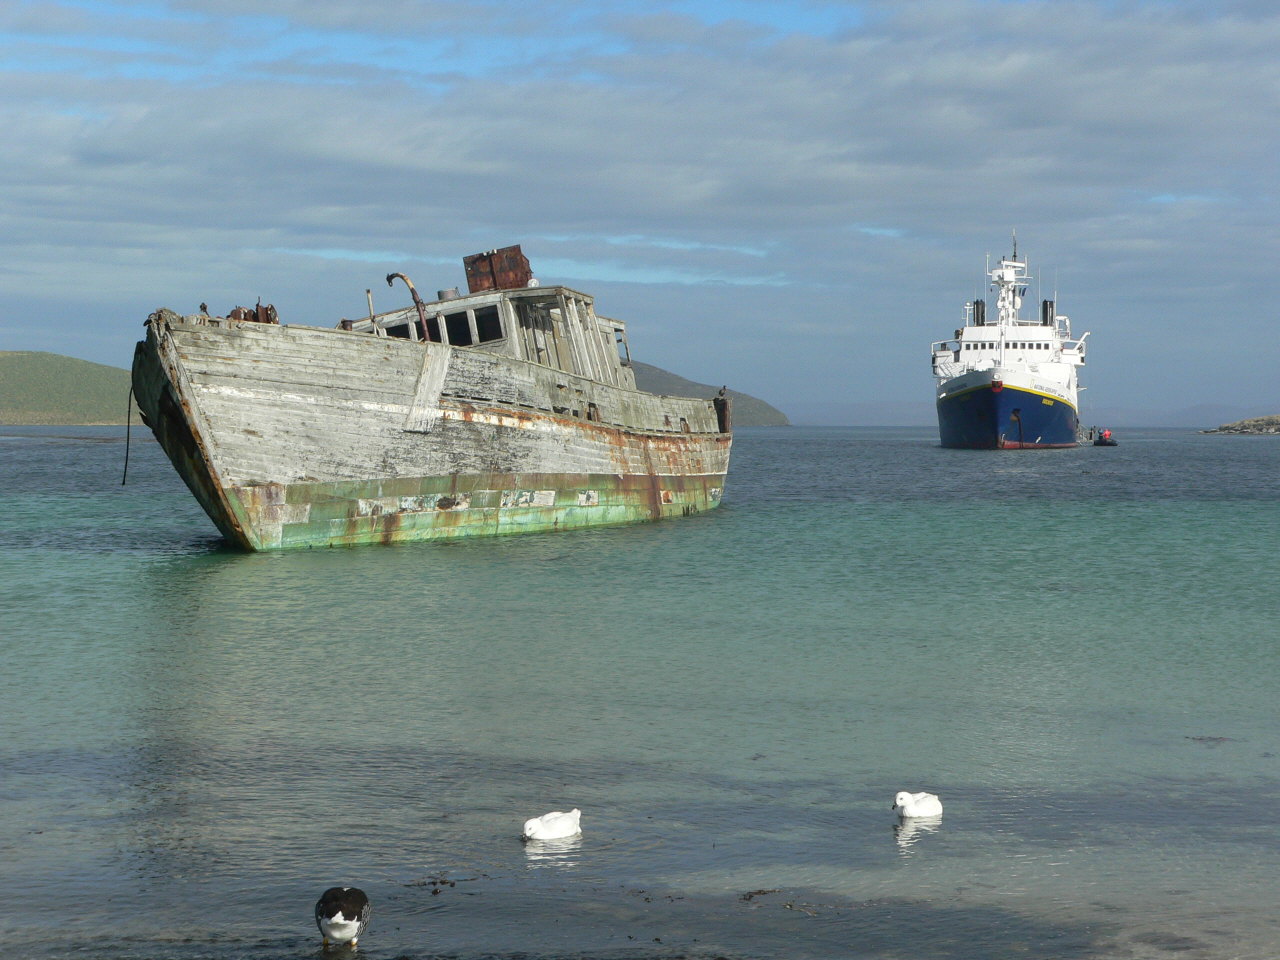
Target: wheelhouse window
<point>458,326</point>
<point>488,324</point>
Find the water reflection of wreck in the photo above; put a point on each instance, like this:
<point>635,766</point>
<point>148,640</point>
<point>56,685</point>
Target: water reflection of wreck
<point>511,408</point>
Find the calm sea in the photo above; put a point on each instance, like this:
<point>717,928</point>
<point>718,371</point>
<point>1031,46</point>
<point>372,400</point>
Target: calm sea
<point>1075,649</point>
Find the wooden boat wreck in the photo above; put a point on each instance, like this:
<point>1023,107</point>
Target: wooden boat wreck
<point>511,408</point>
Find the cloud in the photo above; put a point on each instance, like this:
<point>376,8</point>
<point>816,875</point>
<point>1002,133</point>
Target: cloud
<point>800,169</point>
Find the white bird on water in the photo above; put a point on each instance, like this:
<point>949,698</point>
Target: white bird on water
<point>917,805</point>
<point>553,826</point>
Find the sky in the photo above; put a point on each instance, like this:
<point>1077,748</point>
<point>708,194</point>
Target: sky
<point>790,198</point>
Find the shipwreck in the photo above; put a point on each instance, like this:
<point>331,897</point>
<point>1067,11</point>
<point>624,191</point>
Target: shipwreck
<point>508,409</point>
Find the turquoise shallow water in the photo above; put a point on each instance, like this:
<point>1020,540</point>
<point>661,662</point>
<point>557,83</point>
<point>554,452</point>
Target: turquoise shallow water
<point>1075,649</point>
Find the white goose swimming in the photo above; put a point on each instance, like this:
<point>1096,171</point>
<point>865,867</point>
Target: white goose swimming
<point>553,826</point>
<point>917,805</point>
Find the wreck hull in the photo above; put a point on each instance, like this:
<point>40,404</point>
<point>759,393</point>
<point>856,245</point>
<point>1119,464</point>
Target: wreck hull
<point>430,508</point>
<point>303,437</point>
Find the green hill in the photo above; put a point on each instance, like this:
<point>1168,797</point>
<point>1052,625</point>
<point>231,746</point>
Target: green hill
<point>47,388</point>
<point>748,411</point>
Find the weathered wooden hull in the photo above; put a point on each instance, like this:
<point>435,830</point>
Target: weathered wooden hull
<point>293,436</point>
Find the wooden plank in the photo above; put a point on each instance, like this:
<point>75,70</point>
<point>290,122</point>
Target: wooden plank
<point>424,410</point>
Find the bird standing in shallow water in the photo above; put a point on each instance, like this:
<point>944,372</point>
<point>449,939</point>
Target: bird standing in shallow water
<point>917,805</point>
<point>342,913</point>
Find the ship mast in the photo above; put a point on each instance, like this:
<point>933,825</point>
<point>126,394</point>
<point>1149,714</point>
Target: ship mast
<point>1009,279</point>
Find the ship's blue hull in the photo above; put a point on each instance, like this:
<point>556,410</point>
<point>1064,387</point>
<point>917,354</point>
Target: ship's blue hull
<point>1005,418</point>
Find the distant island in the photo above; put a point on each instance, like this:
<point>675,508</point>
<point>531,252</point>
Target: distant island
<point>748,411</point>
<point>1252,425</point>
<point>49,389</point>
<point>52,390</point>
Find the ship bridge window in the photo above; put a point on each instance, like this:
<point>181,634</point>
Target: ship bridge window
<point>459,329</point>
<point>488,324</point>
